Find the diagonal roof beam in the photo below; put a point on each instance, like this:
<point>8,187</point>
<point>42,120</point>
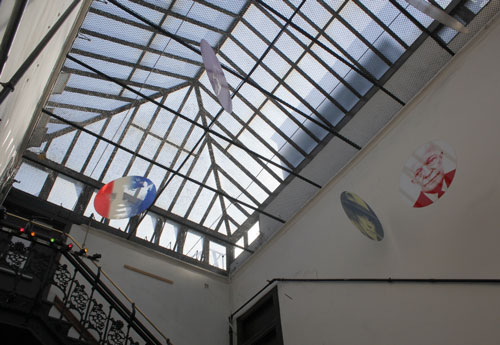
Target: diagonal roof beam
<point>243,147</point>
<point>103,115</point>
<point>422,28</point>
<point>88,181</point>
<point>173,14</point>
<point>307,49</point>
<point>162,166</point>
<point>353,64</point>
<point>215,169</point>
<point>98,94</point>
<point>241,167</point>
<point>359,36</point>
<point>235,92</point>
<point>250,130</point>
<point>129,83</point>
<point>327,127</point>
<point>381,24</point>
<point>75,107</point>
<point>205,3</point>
<point>129,64</point>
<point>137,46</point>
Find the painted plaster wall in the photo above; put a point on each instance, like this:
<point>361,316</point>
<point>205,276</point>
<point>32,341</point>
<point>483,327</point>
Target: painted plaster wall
<point>352,314</point>
<point>192,310</point>
<point>18,110</point>
<point>457,237</point>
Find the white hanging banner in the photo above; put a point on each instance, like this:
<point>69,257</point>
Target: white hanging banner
<point>216,76</point>
<point>438,14</point>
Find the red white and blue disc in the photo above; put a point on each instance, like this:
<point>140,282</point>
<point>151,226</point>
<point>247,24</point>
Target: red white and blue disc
<point>125,197</point>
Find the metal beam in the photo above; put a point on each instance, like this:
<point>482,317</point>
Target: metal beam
<point>88,181</point>
<point>163,166</point>
<point>361,71</point>
<point>205,128</point>
<point>11,84</point>
<point>326,127</point>
<point>436,38</point>
<point>10,31</point>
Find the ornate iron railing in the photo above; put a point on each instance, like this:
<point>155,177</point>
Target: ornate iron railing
<point>43,271</point>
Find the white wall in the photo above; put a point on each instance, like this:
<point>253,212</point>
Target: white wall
<point>457,237</point>
<point>192,310</point>
<point>18,110</point>
<point>375,314</point>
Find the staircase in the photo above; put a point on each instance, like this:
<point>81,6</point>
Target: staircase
<point>59,295</point>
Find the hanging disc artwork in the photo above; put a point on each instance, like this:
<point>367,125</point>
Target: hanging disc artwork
<point>362,216</point>
<point>428,173</point>
<point>216,76</point>
<point>125,197</point>
<point>438,14</point>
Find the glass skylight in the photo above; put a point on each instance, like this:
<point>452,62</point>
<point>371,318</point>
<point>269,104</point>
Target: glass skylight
<point>298,71</point>
<point>65,192</point>
<point>168,237</point>
<point>31,179</point>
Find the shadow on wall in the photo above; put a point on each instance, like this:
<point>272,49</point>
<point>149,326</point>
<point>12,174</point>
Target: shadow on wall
<point>346,98</point>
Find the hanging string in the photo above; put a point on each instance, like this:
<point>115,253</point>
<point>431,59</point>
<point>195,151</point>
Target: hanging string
<point>87,231</point>
<point>135,101</point>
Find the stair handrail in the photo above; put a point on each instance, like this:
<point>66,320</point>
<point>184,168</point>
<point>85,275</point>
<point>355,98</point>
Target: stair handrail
<point>98,266</point>
<point>105,292</point>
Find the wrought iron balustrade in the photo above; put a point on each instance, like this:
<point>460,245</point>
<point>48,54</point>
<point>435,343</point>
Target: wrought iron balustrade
<point>41,273</point>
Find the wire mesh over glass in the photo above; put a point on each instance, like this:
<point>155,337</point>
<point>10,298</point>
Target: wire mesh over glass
<point>298,71</point>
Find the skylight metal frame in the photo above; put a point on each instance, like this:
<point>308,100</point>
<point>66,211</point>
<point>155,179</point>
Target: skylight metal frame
<point>200,89</point>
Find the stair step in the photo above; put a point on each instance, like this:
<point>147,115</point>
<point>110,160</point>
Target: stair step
<point>73,341</point>
<point>61,326</point>
<point>45,307</point>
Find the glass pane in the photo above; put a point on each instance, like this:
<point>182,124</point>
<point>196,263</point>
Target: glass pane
<point>90,210</point>
<point>65,192</point>
<point>253,233</point>
<point>168,238</point>
<point>306,73</point>
<point>238,251</point>
<point>193,245</point>
<point>59,146</point>
<point>31,179</point>
<point>120,224</point>
<point>217,255</point>
<point>147,227</point>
